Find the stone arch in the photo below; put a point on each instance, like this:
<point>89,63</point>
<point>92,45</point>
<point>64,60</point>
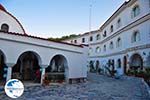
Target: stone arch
<point>34,52</point>
<point>119,63</point>
<point>58,68</point>
<point>125,64</point>
<point>4,56</point>
<point>27,67</point>
<point>97,65</point>
<point>136,61</point>
<point>2,66</point>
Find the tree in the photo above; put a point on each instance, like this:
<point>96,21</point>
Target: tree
<point>63,38</point>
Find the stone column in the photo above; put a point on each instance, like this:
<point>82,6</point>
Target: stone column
<point>122,65</point>
<point>43,67</point>
<point>9,71</point>
<point>128,63</point>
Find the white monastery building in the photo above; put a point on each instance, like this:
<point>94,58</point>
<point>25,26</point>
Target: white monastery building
<point>123,41</point>
<point>22,56</point>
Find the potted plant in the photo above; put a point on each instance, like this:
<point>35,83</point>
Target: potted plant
<point>46,81</point>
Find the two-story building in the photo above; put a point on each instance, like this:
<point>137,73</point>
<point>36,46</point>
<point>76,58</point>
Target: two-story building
<point>123,41</point>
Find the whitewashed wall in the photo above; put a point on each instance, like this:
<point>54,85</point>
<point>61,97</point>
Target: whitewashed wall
<point>14,26</point>
<point>13,46</point>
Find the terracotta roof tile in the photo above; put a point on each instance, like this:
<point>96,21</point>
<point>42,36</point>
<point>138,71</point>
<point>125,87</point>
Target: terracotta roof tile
<point>2,8</point>
<point>35,37</point>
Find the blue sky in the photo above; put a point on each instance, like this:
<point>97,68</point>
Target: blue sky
<point>55,18</point>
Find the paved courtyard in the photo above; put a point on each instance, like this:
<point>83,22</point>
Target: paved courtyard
<point>98,87</point>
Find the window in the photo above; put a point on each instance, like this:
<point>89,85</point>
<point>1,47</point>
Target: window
<point>91,38</point>
<point>135,36</point>
<point>83,40</point>
<point>104,48</point>
<point>118,43</point>
<point>105,34</point>
<point>90,51</point>
<point>75,41</point>
<point>135,11</point>
<point>118,23</point>
<point>71,41</point>
<point>98,37</point>
<point>111,28</point>
<point>119,63</point>
<point>111,46</point>
<point>98,49</point>
<point>5,28</point>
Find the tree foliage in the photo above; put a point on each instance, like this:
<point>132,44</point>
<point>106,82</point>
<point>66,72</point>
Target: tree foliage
<point>63,37</point>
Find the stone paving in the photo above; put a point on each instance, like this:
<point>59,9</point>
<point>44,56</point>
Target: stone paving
<point>98,87</point>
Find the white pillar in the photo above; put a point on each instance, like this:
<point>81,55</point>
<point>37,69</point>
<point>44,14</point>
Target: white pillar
<point>9,71</point>
<point>43,73</point>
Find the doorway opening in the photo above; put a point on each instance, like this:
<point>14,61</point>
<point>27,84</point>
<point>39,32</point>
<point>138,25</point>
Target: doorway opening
<point>27,68</point>
<point>58,69</point>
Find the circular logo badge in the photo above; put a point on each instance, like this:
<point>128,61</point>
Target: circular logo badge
<point>14,88</point>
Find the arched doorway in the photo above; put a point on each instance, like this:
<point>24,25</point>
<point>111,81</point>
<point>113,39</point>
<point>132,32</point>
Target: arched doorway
<point>125,64</point>
<point>119,63</point>
<point>27,67</point>
<point>97,66</point>
<point>2,68</point>
<point>57,71</point>
<point>91,66</point>
<point>136,62</point>
<point>111,64</point>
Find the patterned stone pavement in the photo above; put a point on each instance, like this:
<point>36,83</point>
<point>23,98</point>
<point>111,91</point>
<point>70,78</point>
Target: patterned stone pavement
<point>98,87</point>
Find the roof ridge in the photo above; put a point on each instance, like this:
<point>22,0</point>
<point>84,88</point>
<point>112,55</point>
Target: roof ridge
<point>36,37</point>
<point>2,8</point>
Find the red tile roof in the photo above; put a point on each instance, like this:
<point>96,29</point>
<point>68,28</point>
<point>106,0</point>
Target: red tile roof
<point>35,37</point>
<point>2,8</point>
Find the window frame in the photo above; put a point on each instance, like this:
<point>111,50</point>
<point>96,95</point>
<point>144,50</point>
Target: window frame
<point>118,42</point>
<point>105,34</point>
<point>98,37</point>
<point>104,48</point>
<point>91,38</point>
<point>135,11</point>
<point>111,45</point>
<point>135,36</point>
<point>111,28</point>
<point>75,41</point>
<point>98,49</point>
<point>5,27</point>
<point>90,51</point>
<point>119,23</point>
<point>83,40</point>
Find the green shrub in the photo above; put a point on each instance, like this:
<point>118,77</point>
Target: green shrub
<point>140,74</point>
<point>130,72</point>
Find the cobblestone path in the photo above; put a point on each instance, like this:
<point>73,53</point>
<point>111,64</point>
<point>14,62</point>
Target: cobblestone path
<point>98,87</point>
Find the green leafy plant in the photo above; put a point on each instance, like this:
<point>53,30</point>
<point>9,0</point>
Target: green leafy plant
<point>145,74</point>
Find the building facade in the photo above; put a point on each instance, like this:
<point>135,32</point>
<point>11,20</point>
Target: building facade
<point>123,41</point>
<point>30,58</point>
